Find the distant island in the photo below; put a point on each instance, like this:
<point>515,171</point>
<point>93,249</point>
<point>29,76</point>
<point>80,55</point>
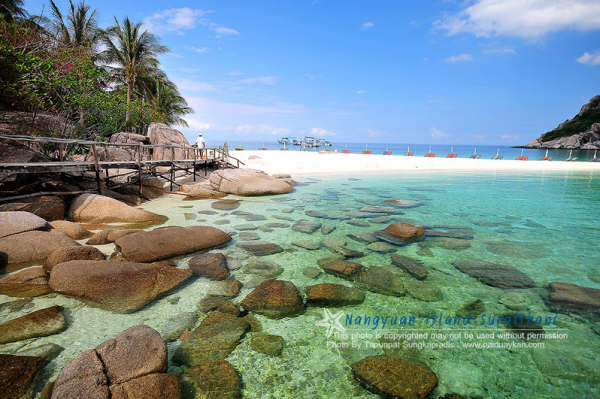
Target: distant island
<point>582,132</point>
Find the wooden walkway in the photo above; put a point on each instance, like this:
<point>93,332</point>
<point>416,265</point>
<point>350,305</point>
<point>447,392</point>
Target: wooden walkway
<point>192,161</point>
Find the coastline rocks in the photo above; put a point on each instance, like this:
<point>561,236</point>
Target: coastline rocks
<point>403,203</point>
<point>177,325</point>
<point>453,244</point>
<point>247,182</point>
<point>268,344</point>
<point>226,204</point>
<point>379,209</point>
<point>40,323</point>
<point>214,339</point>
<point>274,299</point>
<point>20,222</point>
<point>263,268</point>
<point>159,133</point>
<point>71,229</point>
<point>344,269</point>
<point>200,191</point>
<point>405,231</point>
<point>210,265</point>
<point>129,366</point>
<point>327,229</point>
<point>45,351</point>
<point>573,297</point>
<point>48,207</point>
<point>94,208</point>
<point>18,374</point>
<point>260,248</point>
<point>394,377</point>
<point>328,259</point>
<point>423,291</point>
<point>306,226</point>
<point>33,246</point>
<point>412,266</point>
<point>496,275</point>
<point>333,295</point>
<point>366,237</point>
<point>380,280</point>
<point>117,286</point>
<point>381,247</point>
<point>211,380</point>
<point>227,288</point>
<point>307,244</point>
<point>218,304</point>
<point>168,242</point>
<point>109,236</point>
<point>26,283</point>
<point>61,255</point>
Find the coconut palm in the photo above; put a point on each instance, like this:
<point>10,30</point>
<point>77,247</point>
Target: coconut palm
<point>168,104</point>
<point>129,54</point>
<point>79,29</point>
<point>11,9</point>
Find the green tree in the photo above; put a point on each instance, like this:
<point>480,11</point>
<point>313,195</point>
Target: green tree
<point>79,29</point>
<point>168,105</point>
<point>11,10</point>
<point>129,54</point>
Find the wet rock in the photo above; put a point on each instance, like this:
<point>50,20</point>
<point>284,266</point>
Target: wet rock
<point>277,225</point>
<point>9,307</point>
<point>475,308</point>
<point>412,266</point>
<point>349,252</point>
<point>118,286</point>
<point>344,269</point>
<point>251,217</point>
<point>328,259</point>
<point>218,304</point>
<point>380,280</point>
<point>380,219</point>
<point>168,242</point>
<point>306,226</point>
<point>425,252</point>
<point>423,291</point>
<point>333,243</point>
<point>405,231</point>
<point>73,230</point>
<point>200,191</point>
<point>45,351</point>
<point>379,209</point>
<point>311,272</point>
<point>226,204</point>
<point>363,236</point>
<point>496,275</point>
<point>515,300</point>
<point>254,282</point>
<point>247,182</point>
<point>30,282</point>
<point>40,323</point>
<point>327,229</point>
<point>263,268</point>
<point>333,295</point>
<point>565,296</point>
<point>18,375</point>
<point>594,276</point>
<point>381,247</point>
<point>207,212</point>
<point>61,255</point>
<point>394,377</point>
<point>453,244</point>
<point>152,386</point>
<point>307,244</point>
<point>383,236</point>
<point>260,248</point>
<point>515,250</point>
<point>282,217</point>
<point>315,214</point>
<point>403,203</point>
<point>227,288</point>
<point>267,344</point>
<point>209,265</point>
<point>32,246</point>
<point>248,236</point>
<point>109,236</point>
<point>221,222</point>
<point>48,207</point>
<point>215,338</point>
<point>190,216</point>
<point>246,227</point>
<point>217,380</point>
<point>93,208</point>
<point>274,299</point>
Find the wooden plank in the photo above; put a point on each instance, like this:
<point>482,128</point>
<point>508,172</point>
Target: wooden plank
<point>41,194</point>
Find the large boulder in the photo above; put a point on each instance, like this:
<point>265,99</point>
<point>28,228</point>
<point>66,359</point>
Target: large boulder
<point>130,366</point>
<point>412,266</point>
<point>565,296</point>
<point>128,153</point>
<point>405,231</point>
<point>210,265</point>
<point>109,236</point>
<point>333,295</point>
<point>494,274</point>
<point>40,323</point>
<point>83,252</point>
<point>160,133</point>
<point>274,299</point>
<point>18,374</point>
<point>214,339</point>
<point>247,182</point>
<point>25,283</point>
<point>32,246</point>
<point>393,377</point>
<point>200,190</point>
<point>168,242</point>
<point>118,286</point>
<point>73,230</point>
<point>211,380</point>
<point>48,207</point>
<point>94,208</point>
<point>19,222</point>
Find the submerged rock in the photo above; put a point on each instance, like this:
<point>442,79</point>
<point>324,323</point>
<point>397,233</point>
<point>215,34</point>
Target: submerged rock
<point>109,236</point>
<point>412,266</point>
<point>30,282</point>
<point>218,304</point>
<point>118,286</point>
<point>94,208</point>
<point>403,203</point>
<point>260,248</point>
<point>177,325</point>
<point>267,344</point>
<point>307,244</point>
<point>359,223</point>
<point>263,268</point>
<point>18,375</point>
<point>363,236</point>
<point>424,291</point>
<point>61,255</point>
<point>379,209</point>
<point>496,275</point>
<point>565,296</point>
<point>16,222</point>
<point>394,377</point>
<point>453,244</point>
<point>32,246</point>
<point>209,265</point>
<point>306,226</point>
<point>274,299</point>
<point>381,247</point>
<point>217,380</point>
<point>168,242</point>
<point>45,351</point>
<point>344,269</point>
<point>380,280</point>
<point>405,231</point>
<point>327,229</point>
<point>475,308</point>
<point>328,259</point>
<point>215,338</point>
<point>515,300</point>
<point>73,230</point>
<point>227,288</point>
<point>40,323</point>
<point>349,252</point>
<point>226,204</point>
<point>311,272</point>
<point>248,236</point>
<point>333,295</point>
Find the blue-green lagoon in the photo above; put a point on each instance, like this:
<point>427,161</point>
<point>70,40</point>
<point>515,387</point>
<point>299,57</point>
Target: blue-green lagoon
<point>544,225</point>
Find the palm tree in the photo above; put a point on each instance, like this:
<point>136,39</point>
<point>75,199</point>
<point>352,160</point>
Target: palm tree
<point>168,104</point>
<point>129,54</point>
<point>11,9</point>
<point>80,29</point>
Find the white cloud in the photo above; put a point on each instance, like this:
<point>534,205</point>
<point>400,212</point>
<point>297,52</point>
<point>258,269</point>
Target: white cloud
<point>197,124</point>
<point>192,85</point>
<point>199,50</point>
<point>590,58</point>
<point>261,80</point>
<point>375,133</point>
<point>361,91</point>
<point>500,50</point>
<point>508,137</point>
<point>221,30</point>
<point>180,19</point>
<point>437,133</point>
<point>529,19</point>
<point>261,128</point>
<point>460,58</point>
<point>367,25</point>
<point>318,131</point>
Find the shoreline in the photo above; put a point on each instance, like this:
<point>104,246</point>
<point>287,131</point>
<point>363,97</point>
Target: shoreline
<point>311,163</point>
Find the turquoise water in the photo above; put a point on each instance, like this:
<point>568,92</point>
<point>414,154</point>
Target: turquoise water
<point>545,225</point>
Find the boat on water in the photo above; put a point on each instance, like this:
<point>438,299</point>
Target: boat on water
<point>595,158</point>
<point>475,155</point>
<point>571,157</point>
<point>285,140</point>
<point>307,142</point>
<point>497,156</point>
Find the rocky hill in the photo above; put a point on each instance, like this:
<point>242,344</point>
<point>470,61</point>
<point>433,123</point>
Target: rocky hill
<point>581,132</point>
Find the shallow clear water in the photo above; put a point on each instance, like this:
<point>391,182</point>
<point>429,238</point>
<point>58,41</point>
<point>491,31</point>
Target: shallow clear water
<point>546,225</point>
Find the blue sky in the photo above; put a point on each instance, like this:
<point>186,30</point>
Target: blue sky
<point>440,72</point>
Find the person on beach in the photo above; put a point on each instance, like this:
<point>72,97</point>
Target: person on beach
<point>200,144</point>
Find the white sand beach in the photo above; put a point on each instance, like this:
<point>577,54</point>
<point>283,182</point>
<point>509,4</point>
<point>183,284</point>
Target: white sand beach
<point>304,163</point>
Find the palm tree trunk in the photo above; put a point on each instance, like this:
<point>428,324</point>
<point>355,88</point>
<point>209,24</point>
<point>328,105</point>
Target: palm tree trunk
<point>127,113</point>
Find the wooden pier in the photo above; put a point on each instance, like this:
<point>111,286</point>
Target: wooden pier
<point>192,162</point>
